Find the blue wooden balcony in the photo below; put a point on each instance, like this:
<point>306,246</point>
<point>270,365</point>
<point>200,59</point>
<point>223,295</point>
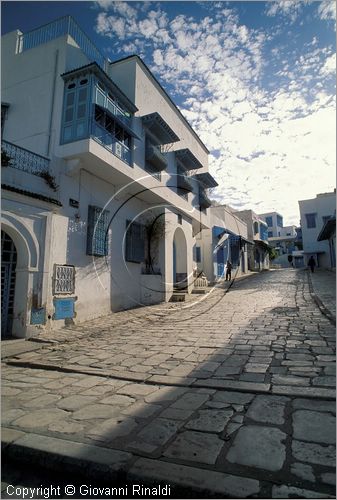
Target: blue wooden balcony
<point>24,160</point>
<point>109,141</point>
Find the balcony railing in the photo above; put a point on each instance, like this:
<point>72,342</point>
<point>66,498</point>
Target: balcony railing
<point>63,26</point>
<point>109,141</point>
<point>24,160</point>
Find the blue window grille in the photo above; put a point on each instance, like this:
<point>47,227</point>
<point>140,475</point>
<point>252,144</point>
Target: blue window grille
<point>234,249</point>
<point>311,220</point>
<point>269,221</point>
<point>97,233</point>
<point>134,242</point>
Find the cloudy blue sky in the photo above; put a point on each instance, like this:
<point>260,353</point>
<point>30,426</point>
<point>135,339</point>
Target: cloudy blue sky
<point>255,79</point>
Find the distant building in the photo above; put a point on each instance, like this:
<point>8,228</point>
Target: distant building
<point>281,238</point>
<point>315,214</point>
<point>227,239</point>
<point>257,231</point>
<point>328,233</point>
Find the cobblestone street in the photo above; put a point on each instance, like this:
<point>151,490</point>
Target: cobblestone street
<point>229,394</point>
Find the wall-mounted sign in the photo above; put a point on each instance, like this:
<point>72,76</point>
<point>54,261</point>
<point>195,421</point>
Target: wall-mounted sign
<point>38,316</point>
<point>64,308</point>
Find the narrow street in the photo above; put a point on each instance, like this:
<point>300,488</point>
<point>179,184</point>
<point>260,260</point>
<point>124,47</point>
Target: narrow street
<point>227,395</point>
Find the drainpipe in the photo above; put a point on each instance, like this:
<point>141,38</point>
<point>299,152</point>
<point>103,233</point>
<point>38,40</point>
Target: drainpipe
<point>52,103</point>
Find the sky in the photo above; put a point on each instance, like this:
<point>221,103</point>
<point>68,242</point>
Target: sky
<point>256,80</point>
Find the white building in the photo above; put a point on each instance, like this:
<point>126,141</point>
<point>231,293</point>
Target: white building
<point>227,239</point>
<point>99,210</point>
<point>280,237</point>
<point>314,214</point>
<point>257,230</point>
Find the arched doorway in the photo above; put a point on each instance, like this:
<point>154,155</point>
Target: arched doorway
<point>8,276</point>
<point>180,280</point>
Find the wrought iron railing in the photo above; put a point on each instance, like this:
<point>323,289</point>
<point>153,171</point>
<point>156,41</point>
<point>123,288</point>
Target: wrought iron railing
<point>110,142</point>
<point>63,26</point>
<point>23,159</point>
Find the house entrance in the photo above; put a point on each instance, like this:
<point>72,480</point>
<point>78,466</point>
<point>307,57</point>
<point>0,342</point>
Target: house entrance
<point>8,275</point>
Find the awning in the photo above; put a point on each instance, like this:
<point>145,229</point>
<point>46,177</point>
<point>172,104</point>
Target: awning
<point>250,242</point>
<point>261,243</point>
<point>119,120</point>
<point>327,230</point>
<point>206,179</point>
<point>187,159</point>
<point>161,130</point>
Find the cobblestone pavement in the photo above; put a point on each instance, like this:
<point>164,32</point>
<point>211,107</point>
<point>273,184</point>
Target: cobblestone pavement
<point>324,286</point>
<point>233,396</point>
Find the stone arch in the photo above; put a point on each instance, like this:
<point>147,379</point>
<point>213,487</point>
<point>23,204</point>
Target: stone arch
<point>27,248</point>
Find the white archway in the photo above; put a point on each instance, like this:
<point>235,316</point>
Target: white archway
<point>27,264</point>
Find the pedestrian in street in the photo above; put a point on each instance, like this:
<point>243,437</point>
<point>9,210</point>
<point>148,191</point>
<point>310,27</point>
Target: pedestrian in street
<point>228,270</point>
<point>312,263</point>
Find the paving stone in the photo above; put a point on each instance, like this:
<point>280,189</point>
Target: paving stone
<point>165,394</point>
<point>325,380</point>
<point>8,416</point>
<point>314,426</point>
<point>118,400</point>
<point>233,397</point>
<point>233,384</point>
<point>141,410</point>
<point>232,427</point>
<point>313,392</point>
<point>195,447</point>
<point>223,371</point>
<point>75,402</point>
<point>158,432</point>
<point>210,420</point>
<point>268,409</point>
<point>314,453</point>
<point>137,390</point>
<point>304,471</point>
<point>259,447</point>
<point>289,380</point>
<point>252,377</point>
<point>39,418</point>
<point>176,414</point>
<point>66,427</point>
<point>96,411</point>
<point>329,478</point>
<point>312,404</point>
<point>113,428</point>
<point>190,401</point>
<point>9,391</point>
<point>9,435</point>
<point>286,491</point>
<point>42,401</point>
<point>225,485</point>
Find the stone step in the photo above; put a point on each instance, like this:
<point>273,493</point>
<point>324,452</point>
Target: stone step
<point>178,297</point>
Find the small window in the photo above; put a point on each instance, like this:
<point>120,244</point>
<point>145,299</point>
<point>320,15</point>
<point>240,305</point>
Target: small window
<point>134,242</point>
<point>270,234</point>
<point>71,85</point>
<point>311,220</point>
<point>84,82</point>
<point>97,233</point>
<point>269,221</point>
<point>63,280</point>
<point>256,227</point>
<point>197,254</point>
<point>180,219</point>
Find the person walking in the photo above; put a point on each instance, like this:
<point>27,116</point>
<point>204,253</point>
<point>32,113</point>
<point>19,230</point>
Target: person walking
<point>312,263</point>
<point>228,270</point>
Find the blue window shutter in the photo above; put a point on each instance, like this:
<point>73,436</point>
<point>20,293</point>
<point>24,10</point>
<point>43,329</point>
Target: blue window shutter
<point>198,254</point>
<point>134,242</point>
<point>97,233</point>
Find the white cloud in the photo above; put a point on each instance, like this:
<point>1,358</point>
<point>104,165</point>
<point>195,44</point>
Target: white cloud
<point>327,9</point>
<point>329,67</point>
